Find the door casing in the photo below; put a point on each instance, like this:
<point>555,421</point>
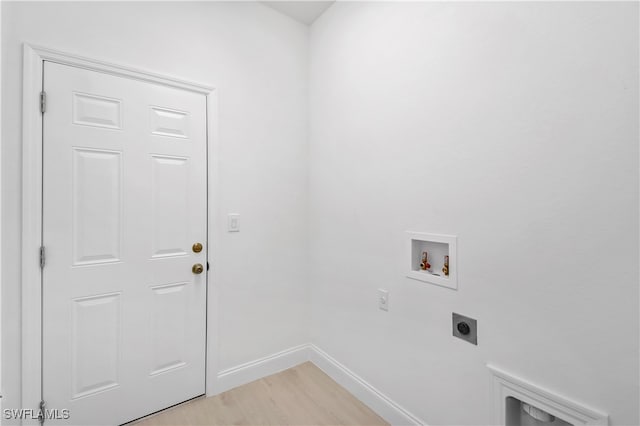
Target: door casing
<point>34,56</point>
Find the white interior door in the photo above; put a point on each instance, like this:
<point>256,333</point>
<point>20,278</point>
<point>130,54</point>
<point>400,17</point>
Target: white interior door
<point>124,184</point>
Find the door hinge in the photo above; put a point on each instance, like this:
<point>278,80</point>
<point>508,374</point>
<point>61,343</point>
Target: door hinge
<point>43,102</point>
<point>43,407</point>
<point>42,257</point>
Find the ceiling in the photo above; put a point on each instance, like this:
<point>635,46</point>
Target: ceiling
<point>302,11</point>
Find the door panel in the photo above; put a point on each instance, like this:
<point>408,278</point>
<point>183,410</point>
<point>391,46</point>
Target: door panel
<point>98,111</point>
<point>97,206</point>
<point>96,344</point>
<point>170,311</point>
<point>166,122</point>
<point>170,192</point>
<point>124,199</point>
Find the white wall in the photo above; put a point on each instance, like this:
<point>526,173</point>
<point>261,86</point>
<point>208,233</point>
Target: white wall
<point>513,126</point>
<point>258,60</point>
<point>1,387</point>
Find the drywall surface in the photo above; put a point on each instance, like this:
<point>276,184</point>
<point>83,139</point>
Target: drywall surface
<point>1,387</point>
<point>513,126</point>
<point>258,61</point>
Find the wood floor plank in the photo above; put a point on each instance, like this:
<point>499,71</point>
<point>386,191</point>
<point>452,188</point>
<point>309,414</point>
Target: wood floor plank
<point>303,395</point>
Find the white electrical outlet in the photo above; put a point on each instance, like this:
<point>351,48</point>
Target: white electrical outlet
<point>383,299</point>
<point>233,222</point>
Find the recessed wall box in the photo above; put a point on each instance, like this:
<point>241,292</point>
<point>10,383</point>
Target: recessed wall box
<point>519,402</point>
<point>436,247</point>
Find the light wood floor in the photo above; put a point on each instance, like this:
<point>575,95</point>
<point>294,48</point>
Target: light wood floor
<point>302,395</point>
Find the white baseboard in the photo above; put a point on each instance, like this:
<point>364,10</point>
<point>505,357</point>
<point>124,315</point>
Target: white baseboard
<point>381,404</point>
<point>262,367</point>
<point>384,406</point>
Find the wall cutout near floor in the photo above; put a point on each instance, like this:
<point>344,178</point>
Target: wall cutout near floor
<point>519,402</point>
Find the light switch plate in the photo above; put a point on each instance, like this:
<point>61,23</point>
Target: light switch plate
<point>383,299</point>
<point>233,222</point>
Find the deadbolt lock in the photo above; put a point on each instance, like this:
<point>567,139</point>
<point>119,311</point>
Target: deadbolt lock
<point>197,248</point>
<point>197,268</point>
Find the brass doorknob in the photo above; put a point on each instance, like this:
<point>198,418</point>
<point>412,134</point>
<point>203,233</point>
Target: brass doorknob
<point>197,248</point>
<point>197,268</point>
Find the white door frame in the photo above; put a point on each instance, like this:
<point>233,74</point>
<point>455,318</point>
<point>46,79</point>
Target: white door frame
<point>32,208</point>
